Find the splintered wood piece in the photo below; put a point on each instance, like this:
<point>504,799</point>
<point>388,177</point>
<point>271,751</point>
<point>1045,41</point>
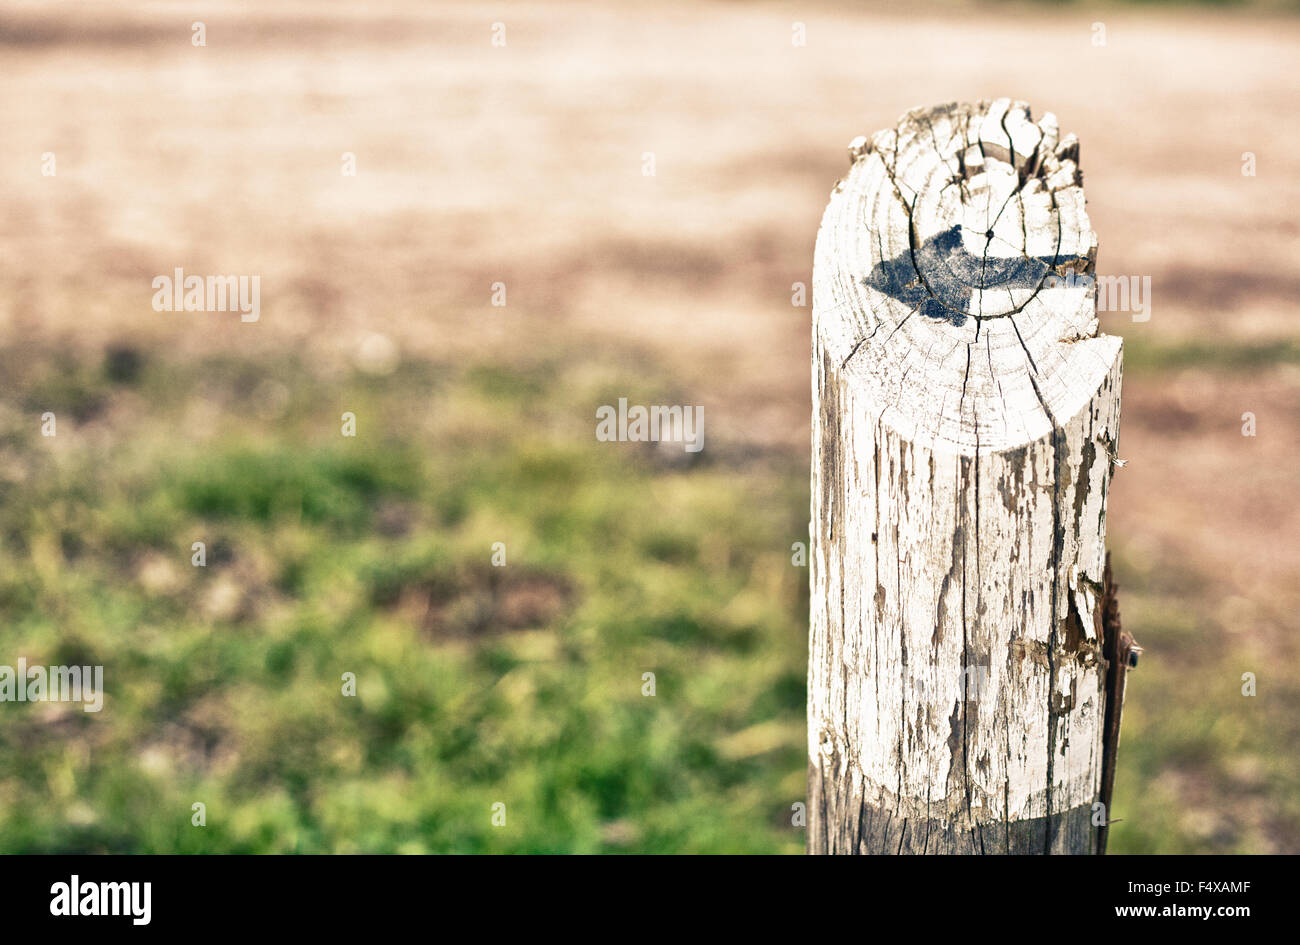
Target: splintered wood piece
<point>965,414</point>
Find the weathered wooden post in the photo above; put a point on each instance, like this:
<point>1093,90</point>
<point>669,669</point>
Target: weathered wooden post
<point>965,417</point>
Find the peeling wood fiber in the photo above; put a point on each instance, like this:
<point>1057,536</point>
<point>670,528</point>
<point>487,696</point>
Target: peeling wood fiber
<point>965,416</point>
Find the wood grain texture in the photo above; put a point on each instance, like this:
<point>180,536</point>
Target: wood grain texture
<point>965,416</point>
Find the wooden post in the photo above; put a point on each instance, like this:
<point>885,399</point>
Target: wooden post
<point>965,418</point>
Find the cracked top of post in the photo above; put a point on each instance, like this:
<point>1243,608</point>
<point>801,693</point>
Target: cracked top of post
<point>948,275</point>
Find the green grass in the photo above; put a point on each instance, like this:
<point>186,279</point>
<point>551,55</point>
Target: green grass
<point>372,555</point>
<point>476,684</point>
<point>1147,357</point>
<point>1203,767</point>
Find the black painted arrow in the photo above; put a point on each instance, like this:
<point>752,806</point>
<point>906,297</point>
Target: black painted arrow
<point>952,272</point>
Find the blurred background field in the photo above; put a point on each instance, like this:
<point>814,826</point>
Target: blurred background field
<point>523,165</point>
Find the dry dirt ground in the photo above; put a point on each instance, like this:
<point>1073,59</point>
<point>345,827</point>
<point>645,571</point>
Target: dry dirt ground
<point>523,164</point>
